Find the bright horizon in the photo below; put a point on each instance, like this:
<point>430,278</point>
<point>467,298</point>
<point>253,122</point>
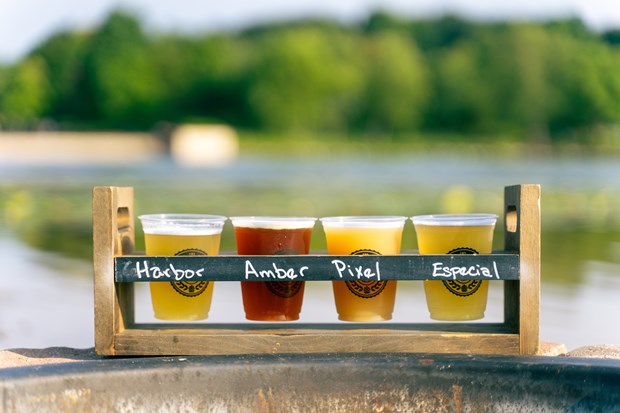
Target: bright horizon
<point>26,23</point>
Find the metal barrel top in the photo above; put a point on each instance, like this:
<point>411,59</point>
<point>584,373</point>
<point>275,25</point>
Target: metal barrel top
<point>317,383</point>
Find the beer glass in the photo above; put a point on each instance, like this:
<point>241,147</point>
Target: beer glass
<point>455,300</point>
<point>272,300</point>
<point>357,299</point>
<point>182,234</point>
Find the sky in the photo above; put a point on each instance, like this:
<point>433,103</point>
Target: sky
<point>26,23</point>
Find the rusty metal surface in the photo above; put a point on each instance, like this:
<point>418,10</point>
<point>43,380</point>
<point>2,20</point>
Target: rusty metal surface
<point>316,383</point>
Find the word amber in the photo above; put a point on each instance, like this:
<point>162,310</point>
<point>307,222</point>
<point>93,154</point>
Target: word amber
<point>276,273</point>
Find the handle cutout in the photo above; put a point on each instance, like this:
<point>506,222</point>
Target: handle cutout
<point>123,225</point>
<point>122,219</point>
<point>512,219</point>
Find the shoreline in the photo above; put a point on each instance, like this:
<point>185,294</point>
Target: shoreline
<point>188,144</point>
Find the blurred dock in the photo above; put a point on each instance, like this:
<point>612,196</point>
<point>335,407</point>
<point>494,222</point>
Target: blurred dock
<point>192,145</point>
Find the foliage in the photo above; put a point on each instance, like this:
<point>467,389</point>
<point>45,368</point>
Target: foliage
<point>64,53</point>
<point>314,87</point>
<point>121,76</point>
<point>396,85</point>
<point>388,76</point>
<point>24,92</point>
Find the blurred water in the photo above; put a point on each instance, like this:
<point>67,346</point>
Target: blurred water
<point>415,170</point>
<point>46,299</point>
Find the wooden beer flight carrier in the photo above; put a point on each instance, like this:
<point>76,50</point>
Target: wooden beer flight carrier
<point>116,269</point>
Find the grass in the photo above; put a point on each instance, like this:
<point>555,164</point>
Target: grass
<point>317,145</point>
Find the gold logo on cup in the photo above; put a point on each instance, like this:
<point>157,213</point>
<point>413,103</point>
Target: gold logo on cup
<point>284,289</point>
<point>366,288</point>
<point>190,288</point>
<point>462,288</point>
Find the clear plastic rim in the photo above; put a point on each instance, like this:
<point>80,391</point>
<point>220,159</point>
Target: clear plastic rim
<point>179,224</point>
<point>273,222</point>
<point>364,221</point>
<point>455,219</point>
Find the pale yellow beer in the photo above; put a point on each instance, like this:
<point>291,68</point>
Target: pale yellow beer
<point>182,234</point>
<point>455,300</point>
<point>358,299</point>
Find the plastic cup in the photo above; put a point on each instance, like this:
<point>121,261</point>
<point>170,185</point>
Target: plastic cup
<point>455,300</point>
<point>182,234</point>
<point>364,300</point>
<point>272,300</point>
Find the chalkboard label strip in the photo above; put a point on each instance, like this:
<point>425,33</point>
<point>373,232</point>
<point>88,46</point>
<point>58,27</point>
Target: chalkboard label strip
<point>316,267</point>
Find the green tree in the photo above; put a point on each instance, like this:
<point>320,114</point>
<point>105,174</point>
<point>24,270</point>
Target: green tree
<point>497,81</point>
<point>24,93</point>
<point>612,37</point>
<point>586,77</point>
<point>384,21</point>
<point>121,77</point>
<point>307,79</point>
<point>209,77</point>
<point>397,89</point>
<point>63,54</point>
<point>458,95</point>
<point>443,32</point>
<point>530,109</point>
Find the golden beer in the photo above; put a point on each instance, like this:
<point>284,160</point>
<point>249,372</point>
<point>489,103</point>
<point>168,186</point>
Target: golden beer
<point>455,300</point>
<point>182,234</point>
<point>357,299</point>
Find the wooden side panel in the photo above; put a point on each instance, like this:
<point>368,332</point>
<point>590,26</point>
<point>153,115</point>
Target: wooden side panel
<point>113,234</point>
<point>522,235</point>
<point>511,243</point>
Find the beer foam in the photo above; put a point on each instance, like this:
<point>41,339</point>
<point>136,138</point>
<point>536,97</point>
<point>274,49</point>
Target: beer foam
<point>182,231</point>
<point>379,221</point>
<point>455,220</point>
<point>268,222</point>
<point>182,224</point>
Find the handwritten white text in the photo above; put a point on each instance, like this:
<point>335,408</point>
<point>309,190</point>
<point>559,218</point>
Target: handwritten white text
<point>441,271</point>
<point>275,273</point>
<point>170,272</point>
<point>358,272</point>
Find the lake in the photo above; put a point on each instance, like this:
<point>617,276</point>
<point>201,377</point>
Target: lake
<point>46,281</point>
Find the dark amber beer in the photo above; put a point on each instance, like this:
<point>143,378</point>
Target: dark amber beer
<point>272,300</point>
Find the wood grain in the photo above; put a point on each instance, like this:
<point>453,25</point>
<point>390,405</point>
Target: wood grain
<point>113,234</point>
<point>522,235</point>
<point>316,340</point>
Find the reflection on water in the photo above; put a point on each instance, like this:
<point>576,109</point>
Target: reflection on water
<point>432,170</point>
<point>45,299</point>
<point>50,302</point>
<point>584,315</point>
